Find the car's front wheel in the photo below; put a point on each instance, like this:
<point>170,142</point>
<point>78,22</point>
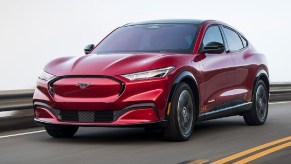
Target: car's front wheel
<point>61,131</point>
<point>182,115</point>
<point>259,111</point>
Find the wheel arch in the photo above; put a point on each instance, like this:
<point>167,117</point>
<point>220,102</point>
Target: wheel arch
<point>190,79</point>
<point>262,75</point>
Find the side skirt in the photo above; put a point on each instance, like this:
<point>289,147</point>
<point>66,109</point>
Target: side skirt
<point>225,112</point>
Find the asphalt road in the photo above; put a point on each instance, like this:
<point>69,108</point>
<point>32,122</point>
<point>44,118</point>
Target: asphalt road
<point>212,140</point>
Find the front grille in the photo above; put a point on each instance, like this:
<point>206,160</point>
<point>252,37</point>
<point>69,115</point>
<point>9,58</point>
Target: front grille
<point>86,116</point>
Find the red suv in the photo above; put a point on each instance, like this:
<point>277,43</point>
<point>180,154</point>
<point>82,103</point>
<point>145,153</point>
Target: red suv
<point>166,74</point>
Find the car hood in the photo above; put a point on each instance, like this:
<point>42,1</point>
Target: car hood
<point>103,64</point>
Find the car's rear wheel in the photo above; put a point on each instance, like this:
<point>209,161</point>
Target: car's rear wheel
<point>259,111</point>
<point>61,131</point>
<point>181,118</point>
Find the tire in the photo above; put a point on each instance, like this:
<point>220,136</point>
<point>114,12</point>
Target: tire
<point>182,115</point>
<point>259,111</point>
<point>61,131</point>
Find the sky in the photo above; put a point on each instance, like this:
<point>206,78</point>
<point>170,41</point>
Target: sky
<point>34,32</point>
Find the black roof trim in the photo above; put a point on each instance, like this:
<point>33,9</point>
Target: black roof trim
<point>169,21</point>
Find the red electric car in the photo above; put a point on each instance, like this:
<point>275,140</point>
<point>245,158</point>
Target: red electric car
<point>168,74</point>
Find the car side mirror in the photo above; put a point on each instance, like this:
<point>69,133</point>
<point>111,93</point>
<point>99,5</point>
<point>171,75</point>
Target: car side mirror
<point>89,48</point>
<point>214,48</point>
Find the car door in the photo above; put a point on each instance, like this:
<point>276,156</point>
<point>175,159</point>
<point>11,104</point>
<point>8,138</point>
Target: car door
<point>237,49</point>
<point>218,74</point>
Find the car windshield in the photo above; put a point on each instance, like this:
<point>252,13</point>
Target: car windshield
<point>177,38</point>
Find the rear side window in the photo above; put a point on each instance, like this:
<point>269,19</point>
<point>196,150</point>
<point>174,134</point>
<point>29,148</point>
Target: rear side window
<point>212,34</point>
<point>233,40</point>
<point>245,42</point>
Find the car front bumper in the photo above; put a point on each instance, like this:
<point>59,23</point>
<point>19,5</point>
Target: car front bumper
<point>141,102</point>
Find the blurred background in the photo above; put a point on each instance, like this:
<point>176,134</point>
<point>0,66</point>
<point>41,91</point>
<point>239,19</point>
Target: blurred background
<point>33,32</point>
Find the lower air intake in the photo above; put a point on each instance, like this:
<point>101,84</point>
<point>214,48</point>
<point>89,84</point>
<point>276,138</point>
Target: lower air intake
<point>86,116</point>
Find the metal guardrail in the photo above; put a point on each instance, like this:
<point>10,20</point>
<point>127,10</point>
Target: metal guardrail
<point>16,100</point>
<point>22,99</point>
<point>280,92</point>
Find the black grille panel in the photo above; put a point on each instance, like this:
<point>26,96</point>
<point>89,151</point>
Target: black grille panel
<point>86,116</point>
<point>103,116</point>
<point>69,115</point>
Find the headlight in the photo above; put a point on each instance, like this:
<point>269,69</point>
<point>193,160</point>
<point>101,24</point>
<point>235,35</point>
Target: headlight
<point>45,76</point>
<point>148,74</point>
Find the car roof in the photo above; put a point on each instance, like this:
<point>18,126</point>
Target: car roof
<point>169,21</point>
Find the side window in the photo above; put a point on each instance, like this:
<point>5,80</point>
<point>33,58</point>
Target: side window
<point>233,40</point>
<point>245,42</point>
<point>212,34</point>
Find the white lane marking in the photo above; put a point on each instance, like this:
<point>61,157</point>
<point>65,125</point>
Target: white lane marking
<point>21,134</point>
<point>281,102</point>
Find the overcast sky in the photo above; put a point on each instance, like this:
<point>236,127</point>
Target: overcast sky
<point>33,32</point>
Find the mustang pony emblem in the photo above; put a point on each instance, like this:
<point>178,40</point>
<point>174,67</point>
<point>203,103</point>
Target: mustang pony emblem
<point>83,85</point>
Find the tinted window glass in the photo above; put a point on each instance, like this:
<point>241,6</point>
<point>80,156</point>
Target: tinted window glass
<point>150,38</point>
<point>245,43</point>
<point>233,40</point>
<point>212,34</point>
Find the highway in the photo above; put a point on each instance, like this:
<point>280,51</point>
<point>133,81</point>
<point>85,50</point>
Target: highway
<point>226,140</point>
